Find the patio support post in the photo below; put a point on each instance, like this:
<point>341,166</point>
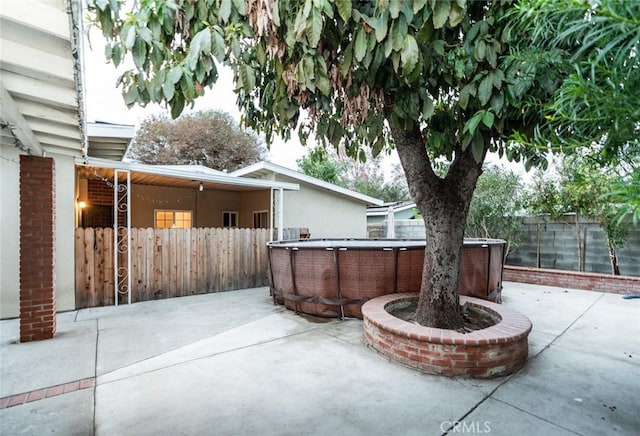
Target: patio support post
<point>280,214</point>
<point>122,235</point>
<point>271,212</point>
<point>37,248</point>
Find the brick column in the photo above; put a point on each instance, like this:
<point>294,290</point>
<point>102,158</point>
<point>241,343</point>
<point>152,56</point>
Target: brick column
<point>37,252</point>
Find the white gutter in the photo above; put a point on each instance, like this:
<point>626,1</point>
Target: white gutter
<point>75,10</point>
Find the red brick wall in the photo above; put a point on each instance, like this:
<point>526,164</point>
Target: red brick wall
<point>98,192</point>
<point>37,248</point>
<point>491,352</point>
<point>573,279</point>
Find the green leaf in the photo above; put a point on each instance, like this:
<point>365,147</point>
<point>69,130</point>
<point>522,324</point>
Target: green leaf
<point>139,53</point>
<point>441,13</point>
<point>471,125</point>
<point>187,86</point>
<point>314,27</point>
<point>344,9</point>
<point>131,96</point>
<point>239,4</point>
<point>131,38</point>
<point>248,76</point>
<point>217,45</point>
<point>225,10</point>
<point>409,54</point>
<point>418,5</point>
<point>398,31</point>
<point>487,119</point>
<point>145,34</point>
<point>479,50</point>
<point>394,8</point>
<point>456,14</point>
<point>360,44</point>
<point>322,79</point>
<point>464,95</point>
<point>116,56</point>
<point>168,88</point>
<point>427,108</point>
<point>477,146</point>
<point>484,90</point>
<point>497,101</point>
<point>177,105</point>
<point>175,74</point>
<point>345,66</point>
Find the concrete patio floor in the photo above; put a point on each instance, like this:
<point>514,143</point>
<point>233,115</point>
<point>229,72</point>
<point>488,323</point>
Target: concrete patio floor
<point>234,364</point>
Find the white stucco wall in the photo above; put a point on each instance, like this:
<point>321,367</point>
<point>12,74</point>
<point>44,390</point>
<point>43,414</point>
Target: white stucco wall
<point>65,232</point>
<point>326,214</point>
<point>9,231</point>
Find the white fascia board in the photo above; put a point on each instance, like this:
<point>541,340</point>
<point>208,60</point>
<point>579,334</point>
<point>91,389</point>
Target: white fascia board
<point>182,174</point>
<point>265,165</point>
<point>105,130</point>
<point>38,16</point>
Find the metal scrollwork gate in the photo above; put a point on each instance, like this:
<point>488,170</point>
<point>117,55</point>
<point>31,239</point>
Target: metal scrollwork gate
<point>122,234</point>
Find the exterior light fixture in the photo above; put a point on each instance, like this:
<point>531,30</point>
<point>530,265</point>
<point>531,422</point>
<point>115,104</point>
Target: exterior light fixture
<point>82,204</point>
<point>201,187</point>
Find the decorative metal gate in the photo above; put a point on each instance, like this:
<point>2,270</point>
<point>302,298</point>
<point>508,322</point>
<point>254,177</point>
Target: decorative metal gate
<point>122,234</point>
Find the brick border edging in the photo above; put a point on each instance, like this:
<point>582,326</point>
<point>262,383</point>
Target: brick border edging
<point>51,391</point>
<point>573,279</point>
<point>495,351</point>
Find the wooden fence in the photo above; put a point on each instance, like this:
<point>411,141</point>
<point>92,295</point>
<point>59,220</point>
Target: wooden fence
<point>169,263</point>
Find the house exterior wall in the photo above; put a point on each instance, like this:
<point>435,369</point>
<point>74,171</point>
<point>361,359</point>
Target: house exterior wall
<point>325,214</point>
<point>10,232</point>
<point>207,206</point>
<point>65,232</point>
<point>250,202</point>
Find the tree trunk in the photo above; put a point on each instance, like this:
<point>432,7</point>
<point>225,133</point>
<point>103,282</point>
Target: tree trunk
<point>444,205</point>
<point>613,258</point>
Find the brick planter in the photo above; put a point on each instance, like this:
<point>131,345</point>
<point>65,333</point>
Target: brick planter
<point>495,351</point>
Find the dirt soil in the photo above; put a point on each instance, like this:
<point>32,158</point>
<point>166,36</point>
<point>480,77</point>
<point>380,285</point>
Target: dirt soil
<point>474,318</point>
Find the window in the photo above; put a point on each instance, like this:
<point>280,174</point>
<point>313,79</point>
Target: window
<point>167,219</point>
<point>229,219</point>
<point>261,219</point>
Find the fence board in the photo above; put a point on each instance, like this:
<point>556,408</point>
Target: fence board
<point>167,263</point>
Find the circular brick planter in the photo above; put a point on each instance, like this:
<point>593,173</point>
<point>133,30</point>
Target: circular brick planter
<point>495,351</point>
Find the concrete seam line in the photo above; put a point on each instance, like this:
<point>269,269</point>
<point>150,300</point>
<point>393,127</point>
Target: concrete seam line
<point>516,373</point>
<point>546,347</point>
<point>95,373</point>
<point>536,416</point>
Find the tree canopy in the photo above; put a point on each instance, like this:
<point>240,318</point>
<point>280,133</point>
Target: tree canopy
<point>209,138</point>
<point>432,78</point>
<point>364,177</point>
<point>496,207</point>
<point>596,43</point>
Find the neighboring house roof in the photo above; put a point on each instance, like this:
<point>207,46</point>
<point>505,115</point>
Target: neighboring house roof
<point>165,175</point>
<point>397,206</point>
<point>41,76</point>
<point>194,168</point>
<point>265,169</point>
<point>109,141</point>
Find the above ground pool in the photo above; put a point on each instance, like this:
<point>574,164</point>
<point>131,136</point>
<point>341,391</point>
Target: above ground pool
<point>334,277</point>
